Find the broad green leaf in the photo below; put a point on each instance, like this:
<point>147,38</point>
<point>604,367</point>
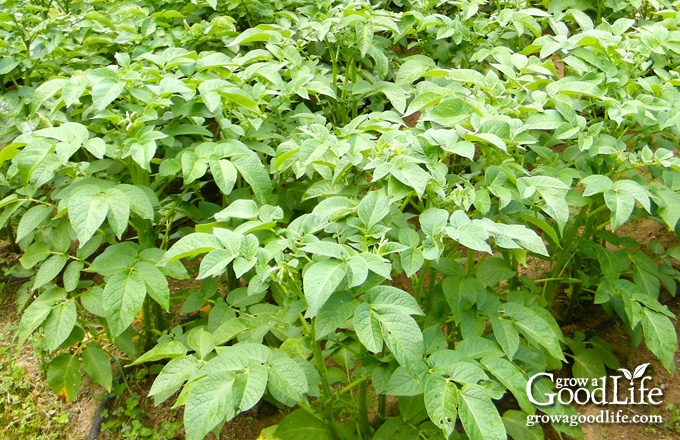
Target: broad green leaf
<point>327,249</point>
<point>71,276</point>
<point>122,299</point>
<point>587,363</point>
<point>301,425</point>
<point>533,327</point>
<point>373,208</point>
<point>172,376</point>
<point>115,258</point>
<point>621,204</point>
<point>403,337</point>
<point>63,376</point>
<point>461,295</point>
<point>212,401</point>
<point>35,253</point>
<point>479,415</point>
<point>87,209</point>
<point>386,299</point>
<point>367,328</point>
<point>660,336</point>
<point>395,94</point>
<point>319,281</point>
<point>516,425</point>
<point>49,269</point>
<point>165,350</point>
<point>506,335</point>
<point>105,92</point>
<point>224,173</point>
<point>433,221</point>
<point>242,208</point>
<point>512,378</point>
<point>441,401</point>
<point>201,342</point>
<point>190,246</point>
<point>31,220</point>
<point>411,261</point>
<point>412,69</point>
<point>156,283</point>
<point>141,202</point>
<point>98,365</point>
<point>257,176</point>
<point>396,428</point>
<point>339,308</point>
<point>60,323</point>
<point>215,263</point>
<point>287,380</point>
<point>36,313</point>
<point>412,176</point>
<point>494,270</point>
<point>118,211</point>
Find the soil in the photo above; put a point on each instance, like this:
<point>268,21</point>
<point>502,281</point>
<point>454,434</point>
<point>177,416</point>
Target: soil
<point>248,426</point>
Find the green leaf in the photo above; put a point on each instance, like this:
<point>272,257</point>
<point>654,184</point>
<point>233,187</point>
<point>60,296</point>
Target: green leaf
<point>105,92</point>
<point>60,323</point>
<point>87,209</point>
<point>98,365</point>
<point>516,425</point>
<point>319,281</point>
<point>165,350</point>
<point>301,425</point>
<point>396,429</point>
<point>373,208</point>
<point>172,376</point>
<point>339,308</point>
<point>506,335</point>
<point>31,220</point>
<point>210,402</point>
<point>534,328</point>
<point>224,172</point>
<point>413,68</point>
<point>512,378</point>
<point>494,270</point>
<point>201,342</point>
<point>257,176</point>
<point>588,363</point>
<point>141,202</point>
<point>395,94</point>
<point>441,401</point>
<point>660,336</point>
<point>385,299</point>
<point>156,283</point>
<point>367,328</point>
<point>403,337</point>
<point>35,253</point>
<point>215,263</point>
<point>412,176</point>
<point>190,246</point>
<point>63,376</point>
<point>621,204</point>
<point>71,276</point>
<point>411,261</point>
<point>49,270</point>
<point>115,258</point>
<point>36,313</point>
<point>669,203</point>
<point>122,299</point>
<point>461,294</point>
<point>479,415</point>
<point>118,211</point>
<point>287,380</point>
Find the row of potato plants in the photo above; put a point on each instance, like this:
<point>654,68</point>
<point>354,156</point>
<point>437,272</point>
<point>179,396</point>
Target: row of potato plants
<point>357,188</point>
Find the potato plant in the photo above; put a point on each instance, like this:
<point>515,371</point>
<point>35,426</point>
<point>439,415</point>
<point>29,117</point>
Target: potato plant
<point>357,189</point>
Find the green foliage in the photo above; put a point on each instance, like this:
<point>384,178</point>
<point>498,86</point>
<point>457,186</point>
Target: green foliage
<point>302,159</point>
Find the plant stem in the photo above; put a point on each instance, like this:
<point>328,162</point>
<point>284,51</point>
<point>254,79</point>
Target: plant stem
<point>364,427</point>
<point>326,390</point>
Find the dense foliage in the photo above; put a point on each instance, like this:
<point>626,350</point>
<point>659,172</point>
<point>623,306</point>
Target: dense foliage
<point>359,186</point>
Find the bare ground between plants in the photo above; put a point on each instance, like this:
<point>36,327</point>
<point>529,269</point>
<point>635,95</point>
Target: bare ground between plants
<point>248,426</point>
